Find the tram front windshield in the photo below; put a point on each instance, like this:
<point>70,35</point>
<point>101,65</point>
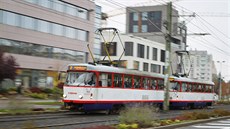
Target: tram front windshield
<point>80,79</point>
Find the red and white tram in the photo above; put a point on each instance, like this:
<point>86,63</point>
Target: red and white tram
<point>97,87</point>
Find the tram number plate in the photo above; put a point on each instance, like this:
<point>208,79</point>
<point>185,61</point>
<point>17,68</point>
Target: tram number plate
<point>145,97</point>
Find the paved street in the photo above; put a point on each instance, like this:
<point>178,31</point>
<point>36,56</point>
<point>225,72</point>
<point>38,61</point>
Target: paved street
<point>220,124</point>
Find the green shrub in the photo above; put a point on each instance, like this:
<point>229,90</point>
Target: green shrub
<point>47,90</point>
<point>196,115</point>
<point>38,95</point>
<point>219,112</point>
<point>143,116</point>
<point>223,102</point>
<point>3,91</point>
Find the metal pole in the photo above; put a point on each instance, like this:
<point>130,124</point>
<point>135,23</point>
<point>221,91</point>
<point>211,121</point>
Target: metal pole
<point>167,56</point>
<point>220,81</point>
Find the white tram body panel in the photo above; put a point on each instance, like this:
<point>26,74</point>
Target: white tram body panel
<point>191,97</point>
<point>86,96</point>
<point>104,95</point>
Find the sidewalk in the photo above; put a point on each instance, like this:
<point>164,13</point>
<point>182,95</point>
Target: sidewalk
<point>23,101</point>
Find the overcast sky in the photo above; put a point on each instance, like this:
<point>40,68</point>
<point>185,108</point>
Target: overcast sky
<point>213,18</point>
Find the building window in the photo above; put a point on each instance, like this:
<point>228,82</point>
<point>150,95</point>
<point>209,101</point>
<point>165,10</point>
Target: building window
<point>58,6</point>
<point>155,68</point>
<point>144,28</point>
<point>9,18</point>
<point>136,65</point>
<point>111,48</point>
<point>43,26</point>
<point>135,28</point>
<point>62,7</point>
<point>70,32</point>
<point>162,56</point>
<point>146,67</point>
<point>155,17</point>
<point>44,3</point>
<point>18,47</point>
<point>154,53</point>
<point>147,52</point>
<point>135,16</point>
<point>128,48</point>
<point>57,29</point>
<point>82,35</point>
<point>140,50</point>
<point>144,16</point>
<point>70,9</point>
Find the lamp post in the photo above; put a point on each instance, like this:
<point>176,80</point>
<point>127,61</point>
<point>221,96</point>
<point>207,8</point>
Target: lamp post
<point>220,87</point>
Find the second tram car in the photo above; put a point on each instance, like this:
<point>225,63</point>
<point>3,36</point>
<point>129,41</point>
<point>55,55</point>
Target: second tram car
<point>91,87</point>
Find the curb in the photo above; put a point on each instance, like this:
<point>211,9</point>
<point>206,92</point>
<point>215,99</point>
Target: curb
<point>174,126</point>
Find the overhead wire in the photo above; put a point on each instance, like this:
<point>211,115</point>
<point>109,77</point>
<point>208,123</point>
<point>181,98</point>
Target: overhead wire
<point>204,20</point>
<point>216,37</point>
<point>225,52</point>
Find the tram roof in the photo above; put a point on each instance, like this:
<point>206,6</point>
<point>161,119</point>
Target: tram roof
<point>103,68</point>
<point>184,79</point>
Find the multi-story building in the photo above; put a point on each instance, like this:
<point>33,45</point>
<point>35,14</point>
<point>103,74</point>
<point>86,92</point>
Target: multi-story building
<point>46,35</point>
<point>199,66</point>
<point>149,22</point>
<point>140,54</point>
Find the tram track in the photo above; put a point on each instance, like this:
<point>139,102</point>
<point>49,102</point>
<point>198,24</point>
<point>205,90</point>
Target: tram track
<point>72,120</point>
<point>79,124</point>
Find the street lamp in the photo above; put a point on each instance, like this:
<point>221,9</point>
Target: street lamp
<point>220,87</point>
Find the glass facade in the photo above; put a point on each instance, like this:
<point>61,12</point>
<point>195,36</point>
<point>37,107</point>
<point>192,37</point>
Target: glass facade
<point>18,47</point>
<point>140,20</point>
<point>97,40</point>
<point>135,16</point>
<point>27,22</point>
<point>62,7</point>
<point>38,78</point>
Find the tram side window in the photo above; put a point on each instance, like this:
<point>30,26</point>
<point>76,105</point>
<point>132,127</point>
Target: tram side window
<point>145,83</point>
<point>208,88</point>
<point>199,89</point>
<point>105,80</point>
<point>117,80</point>
<point>194,87</point>
<point>153,84</point>
<point>203,88</point>
<point>184,87</point>
<point>174,86</point>
<point>160,84</point>
<point>189,87</point>
<point>137,82</point>
<point>127,81</point>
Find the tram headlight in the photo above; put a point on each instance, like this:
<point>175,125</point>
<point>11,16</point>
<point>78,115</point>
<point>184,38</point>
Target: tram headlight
<point>64,95</point>
<point>80,97</point>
